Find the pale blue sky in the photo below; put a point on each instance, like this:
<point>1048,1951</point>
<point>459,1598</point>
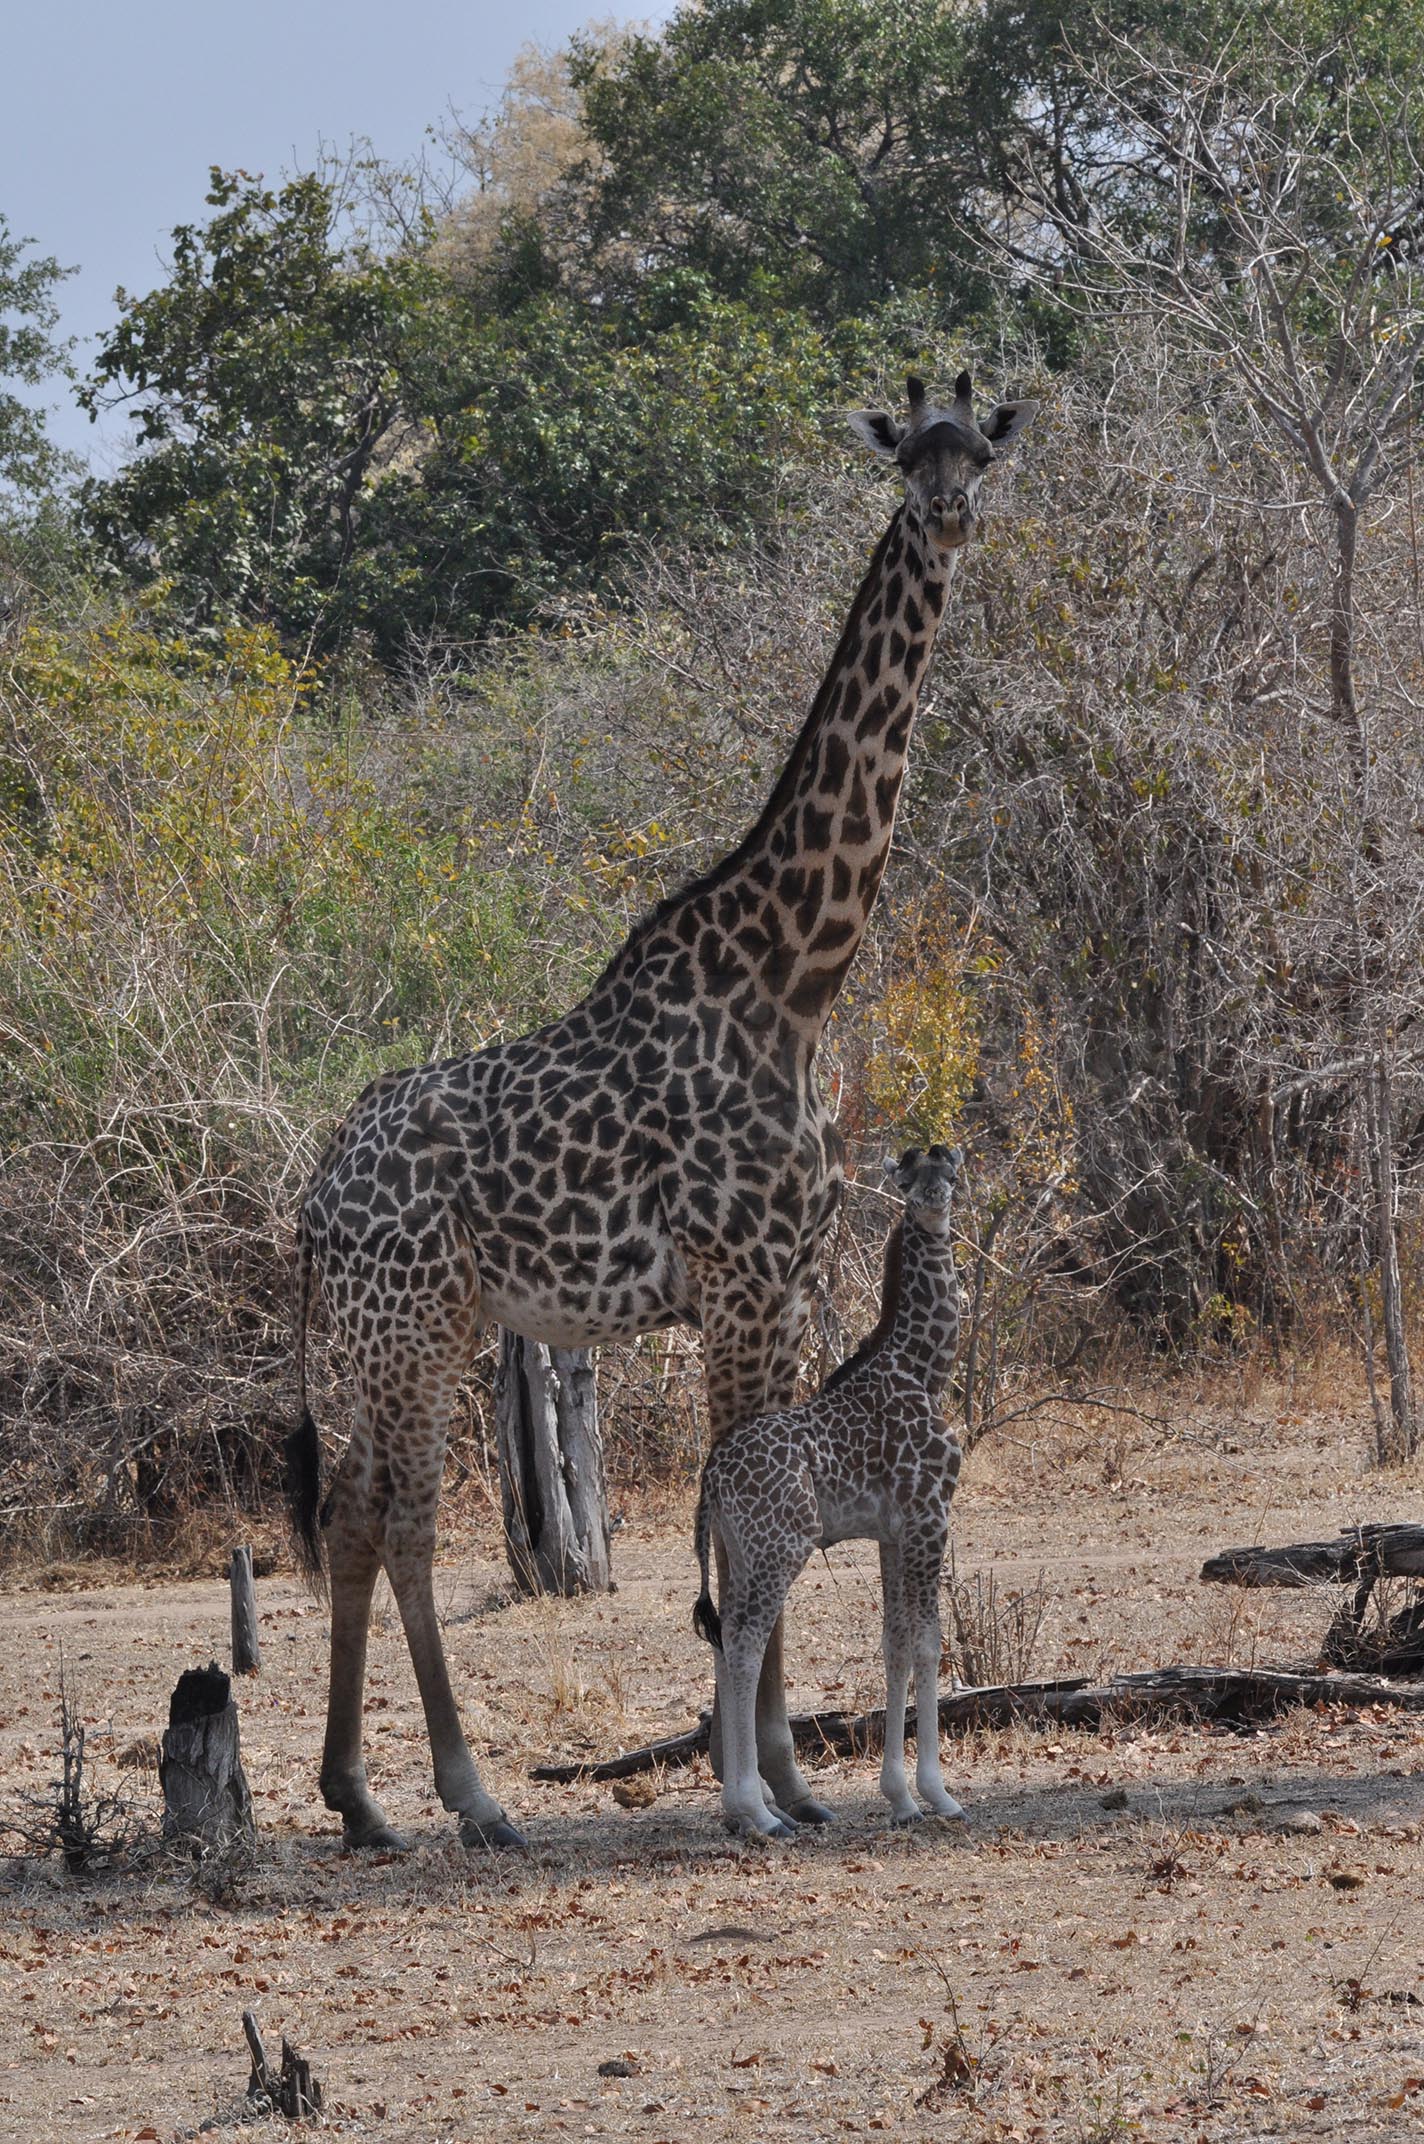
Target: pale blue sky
<point>110,115</point>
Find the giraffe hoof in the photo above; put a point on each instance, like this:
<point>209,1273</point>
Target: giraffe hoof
<point>377,1839</point>
<point>489,1837</point>
<point>811,1812</point>
<point>908,1821</point>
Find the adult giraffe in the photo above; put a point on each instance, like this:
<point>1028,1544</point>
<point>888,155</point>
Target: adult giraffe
<point>660,1156</point>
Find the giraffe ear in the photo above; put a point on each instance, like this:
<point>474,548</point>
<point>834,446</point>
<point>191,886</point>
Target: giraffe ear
<point>1006,420</point>
<point>878,431</point>
<point>890,1164</point>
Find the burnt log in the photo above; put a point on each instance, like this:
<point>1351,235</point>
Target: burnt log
<point>1234,1696</point>
<point>1365,1552</point>
<point>292,2090</point>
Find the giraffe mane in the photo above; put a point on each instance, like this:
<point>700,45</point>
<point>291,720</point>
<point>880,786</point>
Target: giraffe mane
<point>889,1304</point>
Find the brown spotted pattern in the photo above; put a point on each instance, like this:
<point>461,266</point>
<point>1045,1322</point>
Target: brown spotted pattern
<point>659,1156</point>
<point>868,1458</point>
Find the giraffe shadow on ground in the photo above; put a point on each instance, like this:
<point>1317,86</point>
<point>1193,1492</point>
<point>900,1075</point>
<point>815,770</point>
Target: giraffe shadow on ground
<point>683,1831</point>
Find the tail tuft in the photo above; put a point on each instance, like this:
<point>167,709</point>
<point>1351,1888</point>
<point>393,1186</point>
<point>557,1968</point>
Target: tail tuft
<point>706,1621</point>
<point>304,1498</point>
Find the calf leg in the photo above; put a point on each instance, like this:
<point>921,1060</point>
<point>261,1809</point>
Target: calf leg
<point>922,1600</point>
<point>751,1344</point>
<point>744,1802</point>
<point>895,1646</point>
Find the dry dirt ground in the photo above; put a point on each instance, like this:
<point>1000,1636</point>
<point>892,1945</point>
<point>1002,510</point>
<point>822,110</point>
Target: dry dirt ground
<point>1189,1967</point>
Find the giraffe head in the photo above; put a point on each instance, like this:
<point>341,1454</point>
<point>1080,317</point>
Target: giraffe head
<point>942,453</point>
<point>925,1178</point>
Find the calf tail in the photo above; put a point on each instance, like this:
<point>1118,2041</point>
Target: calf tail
<point>705,1619</point>
<point>303,1447</point>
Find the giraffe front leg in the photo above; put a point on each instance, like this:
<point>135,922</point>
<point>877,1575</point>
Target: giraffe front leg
<point>895,1648</point>
<point>923,1593</point>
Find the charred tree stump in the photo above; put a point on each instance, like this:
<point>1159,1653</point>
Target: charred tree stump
<point>246,1650</point>
<point>206,1797</point>
<point>292,2090</point>
<point>556,1531</point>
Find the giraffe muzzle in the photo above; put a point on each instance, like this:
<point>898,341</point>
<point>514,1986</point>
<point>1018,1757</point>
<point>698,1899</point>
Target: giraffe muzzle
<point>952,519</point>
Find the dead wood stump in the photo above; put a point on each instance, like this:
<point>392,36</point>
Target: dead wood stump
<point>206,1798</point>
<point>292,2090</point>
<point>246,1647</point>
<point>556,1531</point>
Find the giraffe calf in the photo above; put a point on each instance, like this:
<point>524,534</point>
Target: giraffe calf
<point>868,1458</point>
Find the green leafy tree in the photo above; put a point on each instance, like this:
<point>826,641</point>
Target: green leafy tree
<point>801,151</point>
<point>271,381</point>
<point>30,354</point>
<point>338,441</point>
<point>837,154</point>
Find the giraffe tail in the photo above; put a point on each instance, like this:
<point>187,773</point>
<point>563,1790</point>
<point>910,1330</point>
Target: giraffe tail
<point>303,1447</point>
<point>705,1619</point>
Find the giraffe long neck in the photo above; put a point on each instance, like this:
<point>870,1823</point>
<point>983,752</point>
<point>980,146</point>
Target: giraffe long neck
<point>924,1332</point>
<point>797,894</point>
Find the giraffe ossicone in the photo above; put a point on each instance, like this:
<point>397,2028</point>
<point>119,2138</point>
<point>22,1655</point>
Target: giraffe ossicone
<point>659,1156</point>
<point>868,1458</point>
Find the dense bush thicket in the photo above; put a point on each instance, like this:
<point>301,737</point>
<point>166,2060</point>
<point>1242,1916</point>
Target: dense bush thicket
<point>479,562</point>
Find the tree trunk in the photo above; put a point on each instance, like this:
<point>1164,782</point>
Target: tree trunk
<point>556,1530</point>
<point>1379,1116</point>
<point>1370,984</point>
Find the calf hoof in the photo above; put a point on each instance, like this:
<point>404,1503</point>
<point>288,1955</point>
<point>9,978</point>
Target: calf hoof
<point>908,1820</point>
<point>780,1828</point>
<point>373,1839</point>
<point>492,1836</point>
<point>811,1812</point>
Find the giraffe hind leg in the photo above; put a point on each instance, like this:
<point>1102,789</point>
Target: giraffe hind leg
<point>383,1512</point>
<point>744,1802</point>
<point>354,1566</point>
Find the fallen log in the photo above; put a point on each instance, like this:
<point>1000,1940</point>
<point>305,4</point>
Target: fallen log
<point>1365,1552</point>
<point>1235,1696</point>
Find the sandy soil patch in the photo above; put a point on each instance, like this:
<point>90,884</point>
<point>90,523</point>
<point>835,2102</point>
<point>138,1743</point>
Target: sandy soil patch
<point>1188,1967</point>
